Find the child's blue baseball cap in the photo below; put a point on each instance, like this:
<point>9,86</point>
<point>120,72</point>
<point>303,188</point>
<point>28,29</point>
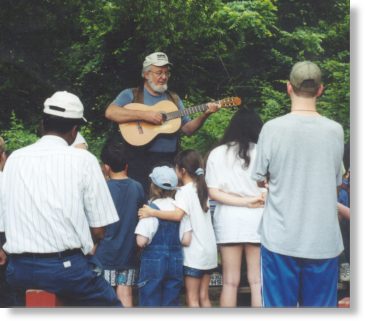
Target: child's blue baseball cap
<point>164,177</point>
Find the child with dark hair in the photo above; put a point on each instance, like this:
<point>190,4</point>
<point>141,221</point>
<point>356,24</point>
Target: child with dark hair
<point>161,273</point>
<point>117,250</point>
<point>191,201</point>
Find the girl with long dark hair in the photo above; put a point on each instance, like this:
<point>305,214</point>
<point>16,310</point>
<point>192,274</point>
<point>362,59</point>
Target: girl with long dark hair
<point>239,205</point>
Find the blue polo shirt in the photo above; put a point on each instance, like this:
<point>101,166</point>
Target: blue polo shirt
<point>117,250</point>
<point>162,143</point>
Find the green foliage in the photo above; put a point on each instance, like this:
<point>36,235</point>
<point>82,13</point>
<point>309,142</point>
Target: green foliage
<point>305,41</point>
<point>94,141</point>
<point>275,103</point>
<point>253,19</point>
<point>335,102</point>
<point>219,48</point>
<point>32,36</point>
<point>210,133</point>
<point>17,135</point>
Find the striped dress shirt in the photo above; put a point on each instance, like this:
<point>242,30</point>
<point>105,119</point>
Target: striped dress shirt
<point>51,195</point>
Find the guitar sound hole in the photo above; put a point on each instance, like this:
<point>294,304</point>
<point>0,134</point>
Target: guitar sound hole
<point>164,117</point>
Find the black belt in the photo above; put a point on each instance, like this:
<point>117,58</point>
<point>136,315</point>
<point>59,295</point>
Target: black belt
<point>56,255</point>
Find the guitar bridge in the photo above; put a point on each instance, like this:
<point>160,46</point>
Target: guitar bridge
<point>139,127</point>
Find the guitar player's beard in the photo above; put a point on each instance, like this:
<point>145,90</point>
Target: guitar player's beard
<point>157,88</point>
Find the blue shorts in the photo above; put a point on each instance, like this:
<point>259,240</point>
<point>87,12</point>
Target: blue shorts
<point>290,281</point>
<point>196,273</point>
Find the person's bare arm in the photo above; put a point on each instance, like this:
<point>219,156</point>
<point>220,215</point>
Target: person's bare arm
<point>186,239</point>
<point>3,257</point>
<point>343,211</point>
<point>235,199</point>
<point>122,115</point>
<point>97,233</point>
<point>142,241</point>
<point>193,125</point>
<point>175,215</point>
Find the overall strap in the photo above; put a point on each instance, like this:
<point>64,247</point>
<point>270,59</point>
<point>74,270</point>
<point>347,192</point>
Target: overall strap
<point>154,206</point>
<point>167,234</point>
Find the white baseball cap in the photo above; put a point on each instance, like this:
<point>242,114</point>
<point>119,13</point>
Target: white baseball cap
<point>157,59</point>
<point>64,104</point>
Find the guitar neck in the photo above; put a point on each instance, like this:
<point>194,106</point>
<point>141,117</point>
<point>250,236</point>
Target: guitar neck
<point>187,111</point>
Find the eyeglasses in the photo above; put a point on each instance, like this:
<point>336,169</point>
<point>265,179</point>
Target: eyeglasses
<point>159,74</point>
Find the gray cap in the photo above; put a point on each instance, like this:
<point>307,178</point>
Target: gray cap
<point>305,76</point>
<point>157,59</point>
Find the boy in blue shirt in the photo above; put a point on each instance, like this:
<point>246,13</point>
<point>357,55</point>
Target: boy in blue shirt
<point>117,251</point>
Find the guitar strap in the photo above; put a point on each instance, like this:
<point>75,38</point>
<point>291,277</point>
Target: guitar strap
<point>138,95</point>
<point>173,97</point>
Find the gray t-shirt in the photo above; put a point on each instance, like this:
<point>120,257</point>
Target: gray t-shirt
<point>302,154</point>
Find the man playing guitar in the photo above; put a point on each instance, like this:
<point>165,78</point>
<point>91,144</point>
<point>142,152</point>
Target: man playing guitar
<point>156,73</point>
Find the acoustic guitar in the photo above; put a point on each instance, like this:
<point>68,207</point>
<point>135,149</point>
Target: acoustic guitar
<point>139,133</point>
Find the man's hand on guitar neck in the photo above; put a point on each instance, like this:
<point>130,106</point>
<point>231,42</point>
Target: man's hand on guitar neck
<point>193,125</point>
<point>157,118</point>
<point>212,108</point>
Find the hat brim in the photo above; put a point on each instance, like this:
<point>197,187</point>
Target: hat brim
<point>79,121</point>
<point>160,64</point>
<point>165,186</point>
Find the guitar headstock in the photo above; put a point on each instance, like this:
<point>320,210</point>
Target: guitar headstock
<point>230,102</point>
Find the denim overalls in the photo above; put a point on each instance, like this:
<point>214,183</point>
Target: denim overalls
<point>161,273</point>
